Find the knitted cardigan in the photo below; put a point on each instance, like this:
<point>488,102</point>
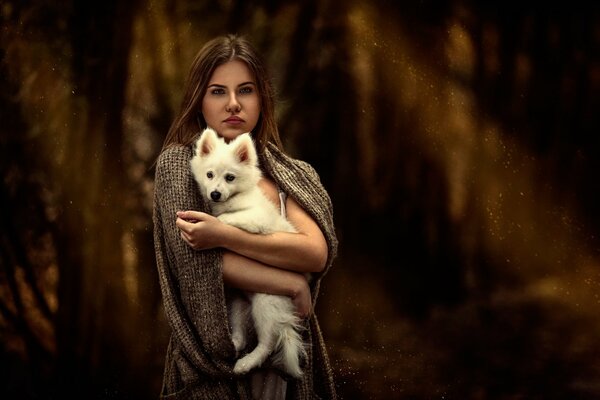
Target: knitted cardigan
<point>200,355</point>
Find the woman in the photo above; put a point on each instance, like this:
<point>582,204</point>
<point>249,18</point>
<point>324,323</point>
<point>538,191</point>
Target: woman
<point>199,258</point>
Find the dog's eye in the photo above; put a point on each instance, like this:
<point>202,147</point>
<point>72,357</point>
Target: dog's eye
<point>209,175</point>
<point>229,177</point>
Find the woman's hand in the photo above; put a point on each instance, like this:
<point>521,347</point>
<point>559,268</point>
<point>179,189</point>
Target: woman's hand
<point>301,298</point>
<point>200,230</point>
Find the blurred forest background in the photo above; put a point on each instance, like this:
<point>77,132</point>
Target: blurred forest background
<point>459,142</point>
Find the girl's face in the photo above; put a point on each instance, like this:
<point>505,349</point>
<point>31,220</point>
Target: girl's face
<point>231,105</point>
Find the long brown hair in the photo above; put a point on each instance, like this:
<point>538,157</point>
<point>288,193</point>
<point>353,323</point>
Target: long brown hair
<point>190,121</point>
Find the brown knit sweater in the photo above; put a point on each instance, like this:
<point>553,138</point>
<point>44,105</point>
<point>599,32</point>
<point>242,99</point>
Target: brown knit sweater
<point>200,356</point>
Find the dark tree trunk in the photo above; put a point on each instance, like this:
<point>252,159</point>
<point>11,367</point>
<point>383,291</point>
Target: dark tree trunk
<point>91,335</point>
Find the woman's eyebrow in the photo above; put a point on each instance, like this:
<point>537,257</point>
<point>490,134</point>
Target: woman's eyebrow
<point>225,87</point>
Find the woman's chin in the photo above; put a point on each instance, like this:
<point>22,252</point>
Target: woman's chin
<point>230,133</point>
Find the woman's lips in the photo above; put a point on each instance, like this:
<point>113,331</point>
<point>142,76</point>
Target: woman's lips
<point>234,121</point>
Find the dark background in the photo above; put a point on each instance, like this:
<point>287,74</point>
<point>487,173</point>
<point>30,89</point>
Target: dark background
<point>459,143</point>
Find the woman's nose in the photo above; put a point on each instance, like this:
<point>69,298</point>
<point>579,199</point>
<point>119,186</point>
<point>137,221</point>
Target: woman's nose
<point>233,105</point>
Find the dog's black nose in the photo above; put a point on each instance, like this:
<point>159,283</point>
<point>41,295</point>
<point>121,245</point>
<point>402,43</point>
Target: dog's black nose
<point>215,195</point>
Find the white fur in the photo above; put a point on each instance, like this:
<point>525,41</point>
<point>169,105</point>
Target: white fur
<point>234,176</point>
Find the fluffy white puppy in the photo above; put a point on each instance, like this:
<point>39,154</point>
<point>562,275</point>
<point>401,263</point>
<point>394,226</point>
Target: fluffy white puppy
<point>228,175</point>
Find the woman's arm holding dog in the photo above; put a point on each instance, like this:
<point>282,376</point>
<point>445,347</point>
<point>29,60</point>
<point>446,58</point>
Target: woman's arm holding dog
<point>305,251</point>
<point>247,274</point>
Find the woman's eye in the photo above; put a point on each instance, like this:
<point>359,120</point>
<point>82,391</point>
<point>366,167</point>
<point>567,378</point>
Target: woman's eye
<point>229,178</point>
<point>209,175</point>
<point>246,90</point>
<point>217,91</point>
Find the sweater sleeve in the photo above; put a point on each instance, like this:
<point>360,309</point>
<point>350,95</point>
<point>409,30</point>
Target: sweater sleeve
<point>191,281</point>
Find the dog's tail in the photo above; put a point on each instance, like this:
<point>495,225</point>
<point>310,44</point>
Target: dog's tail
<point>290,349</point>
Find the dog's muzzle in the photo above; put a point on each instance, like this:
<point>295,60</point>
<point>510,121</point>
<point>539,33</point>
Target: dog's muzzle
<point>215,195</point>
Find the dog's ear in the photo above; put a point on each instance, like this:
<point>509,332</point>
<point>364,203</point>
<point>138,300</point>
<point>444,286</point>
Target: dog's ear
<point>244,149</point>
<point>207,142</point>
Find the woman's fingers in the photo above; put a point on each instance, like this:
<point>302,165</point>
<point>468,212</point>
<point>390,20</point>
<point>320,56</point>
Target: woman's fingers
<point>184,225</point>
<point>191,215</point>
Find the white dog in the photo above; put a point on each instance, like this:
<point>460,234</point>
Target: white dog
<point>228,176</point>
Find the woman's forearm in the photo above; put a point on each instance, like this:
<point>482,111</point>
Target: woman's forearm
<point>301,252</point>
<point>292,251</point>
<point>248,274</point>
<point>305,251</point>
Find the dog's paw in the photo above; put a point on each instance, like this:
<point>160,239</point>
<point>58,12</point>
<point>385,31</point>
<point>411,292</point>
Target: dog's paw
<point>242,367</point>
